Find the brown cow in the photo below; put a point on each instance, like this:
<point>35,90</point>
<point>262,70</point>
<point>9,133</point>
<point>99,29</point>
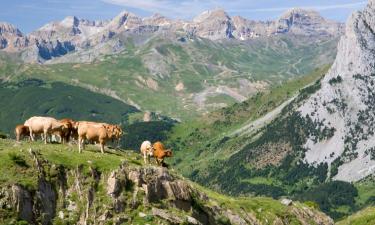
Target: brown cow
<point>96,132</point>
<point>21,131</point>
<point>160,152</point>
<point>68,131</point>
<point>44,125</point>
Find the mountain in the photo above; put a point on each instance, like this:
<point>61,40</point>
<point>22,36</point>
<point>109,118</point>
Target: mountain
<point>309,142</point>
<point>72,34</point>
<point>344,104</point>
<point>54,184</point>
<point>59,100</point>
<point>181,69</point>
<point>11,38</point>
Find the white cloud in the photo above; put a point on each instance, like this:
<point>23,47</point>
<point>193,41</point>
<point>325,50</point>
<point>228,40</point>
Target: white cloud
<point>318,8</point>
<point>189,8</point>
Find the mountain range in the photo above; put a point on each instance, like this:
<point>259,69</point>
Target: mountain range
<point>181,69</point>
<point>73,34</point>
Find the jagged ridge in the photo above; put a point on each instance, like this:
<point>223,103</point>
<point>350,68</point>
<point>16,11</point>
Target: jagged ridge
<point>56,39</point>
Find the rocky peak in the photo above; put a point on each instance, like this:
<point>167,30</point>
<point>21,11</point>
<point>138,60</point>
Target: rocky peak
<point>345,103</point>
<point>11,38</point>
<point>306,22</point>
<point>216,14</point>
<point>70,21</point>
<point>10,29</point>
<point>157,20</point>
<point>296,13</point>
<point>213,24</point>
<point>125,19</point>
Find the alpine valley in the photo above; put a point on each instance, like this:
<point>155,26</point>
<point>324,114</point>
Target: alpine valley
<point>270,122</point>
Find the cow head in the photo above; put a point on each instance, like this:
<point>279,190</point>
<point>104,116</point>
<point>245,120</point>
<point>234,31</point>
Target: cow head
<point>118,131</point>
<point>150,151</point>
<point>168,153</point>
<point>111,131</point>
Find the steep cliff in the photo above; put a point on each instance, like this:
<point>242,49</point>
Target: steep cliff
<point>55,185</point>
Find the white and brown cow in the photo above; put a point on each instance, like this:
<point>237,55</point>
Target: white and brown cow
<point>43,125</point>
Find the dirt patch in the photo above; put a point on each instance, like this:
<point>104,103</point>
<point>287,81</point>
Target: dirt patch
<point>268,154</point>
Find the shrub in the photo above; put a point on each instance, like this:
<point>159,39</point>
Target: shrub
<point>335,80</point>
<point>18,159</point>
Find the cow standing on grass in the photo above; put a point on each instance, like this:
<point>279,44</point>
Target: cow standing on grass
<point>45,126</point>
<point>21,131</point>
<point>68,132</point>
<point>96,132</point>
<point>160,153</point>
<point>147,151</point>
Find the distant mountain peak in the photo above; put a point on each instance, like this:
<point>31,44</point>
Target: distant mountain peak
<point>77,34</point>
<point>70,21</point>
<point>300,11</point>
<point>217,13</point>
<point>10,29</point>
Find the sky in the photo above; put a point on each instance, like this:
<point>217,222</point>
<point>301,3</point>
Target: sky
<point>29,15</point>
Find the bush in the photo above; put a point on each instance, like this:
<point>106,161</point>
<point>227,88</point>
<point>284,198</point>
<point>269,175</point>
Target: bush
<point>332,195</point>
<point>18,159</point>
<point>3,136</point>
<point>141,131</point>
<point>335,80</point>
<point>312,204</point>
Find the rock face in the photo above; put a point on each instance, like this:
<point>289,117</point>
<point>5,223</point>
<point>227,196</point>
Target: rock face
<point>11,38</point>
<point>305,22</point>
<point>345,104</point>
<point>123,196</point>
<point>91,38</point>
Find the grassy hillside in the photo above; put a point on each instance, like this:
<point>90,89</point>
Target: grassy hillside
<point>229,151</point>
<point>180,79</point>
<point>363,217</point>
<point>209,138</point>
<point>88,174</point>
<point>35,97</point>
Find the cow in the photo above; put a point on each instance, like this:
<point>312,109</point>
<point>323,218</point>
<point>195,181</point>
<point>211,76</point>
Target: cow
<point>147,151</point>
<point>68,131</point>
<point>21,131</point>
<point>43,125</point>
<point>92,131</point>
<point>160,152</point>
<point>117,133</point>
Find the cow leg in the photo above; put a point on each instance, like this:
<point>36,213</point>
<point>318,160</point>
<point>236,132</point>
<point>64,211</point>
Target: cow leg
<point>145,158</point>
<point>102,147</point>
<point>79,144</point>
<point>62,139</point>
<point>31,135</point>
<point>45,136</point>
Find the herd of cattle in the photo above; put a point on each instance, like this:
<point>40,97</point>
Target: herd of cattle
<point>82,131</point>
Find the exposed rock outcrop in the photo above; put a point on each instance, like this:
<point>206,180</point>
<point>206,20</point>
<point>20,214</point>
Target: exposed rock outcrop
<point>87,196</point>
<point>345,104</point>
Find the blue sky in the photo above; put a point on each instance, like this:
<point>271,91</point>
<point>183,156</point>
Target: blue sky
<point>29,15</point>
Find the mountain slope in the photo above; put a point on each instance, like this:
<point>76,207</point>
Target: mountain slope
<point>185,79</point>
<point>35,97</point>
<point>364,217</point>
<point>323,137</point>
<point>345,103</point>
<point>54,183</point>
